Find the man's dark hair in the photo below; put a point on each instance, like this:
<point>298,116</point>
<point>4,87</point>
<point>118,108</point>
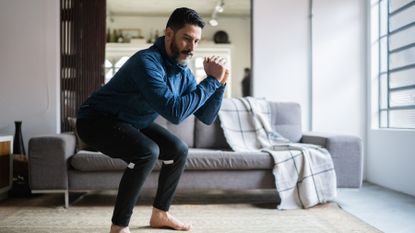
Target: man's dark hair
<point>182,16</point>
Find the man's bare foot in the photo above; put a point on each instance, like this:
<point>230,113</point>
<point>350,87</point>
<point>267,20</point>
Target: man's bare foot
<point>119,229</point>
<point>162,219</point>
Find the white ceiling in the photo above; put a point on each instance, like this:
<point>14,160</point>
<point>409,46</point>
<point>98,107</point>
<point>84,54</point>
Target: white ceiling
<point>165,7</point>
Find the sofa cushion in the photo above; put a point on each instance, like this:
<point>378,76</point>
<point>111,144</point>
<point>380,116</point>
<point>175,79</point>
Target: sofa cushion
<point>210,136</point>
<point>206,159</point>
<point>198,159</point>
<point>185,130</point>
<point>96,161</point>
<point>286,120</point>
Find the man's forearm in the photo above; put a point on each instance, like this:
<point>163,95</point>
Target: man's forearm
<point>208,112</point>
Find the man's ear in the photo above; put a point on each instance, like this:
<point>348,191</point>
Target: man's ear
<point>168,33</point>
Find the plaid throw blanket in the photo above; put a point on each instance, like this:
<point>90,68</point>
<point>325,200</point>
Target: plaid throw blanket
<point>304,173</point>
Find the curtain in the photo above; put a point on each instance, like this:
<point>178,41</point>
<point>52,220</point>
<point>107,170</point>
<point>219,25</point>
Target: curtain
<point>83,35</point>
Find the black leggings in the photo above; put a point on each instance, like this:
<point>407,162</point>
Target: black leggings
<point>140,149</point>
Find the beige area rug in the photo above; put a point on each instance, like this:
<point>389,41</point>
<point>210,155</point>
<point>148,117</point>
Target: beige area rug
<point>205,218</point>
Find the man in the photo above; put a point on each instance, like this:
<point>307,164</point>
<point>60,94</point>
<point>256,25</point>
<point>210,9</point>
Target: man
<point>246,83</point>
<point>118,119</point>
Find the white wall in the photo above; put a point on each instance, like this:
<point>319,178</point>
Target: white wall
<point>238,29</point>
<point>281,62</point>
<point>280,52</point>
<point>339,56</point>
<point>391,159</point>
<point>29,66</point>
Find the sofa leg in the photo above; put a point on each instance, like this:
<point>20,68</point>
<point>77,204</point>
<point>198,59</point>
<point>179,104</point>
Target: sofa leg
<point>66,199</point>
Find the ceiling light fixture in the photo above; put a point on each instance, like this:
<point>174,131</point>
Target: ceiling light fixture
<point>218,9</point>
<point>213,22</point>
<point>219,6</point>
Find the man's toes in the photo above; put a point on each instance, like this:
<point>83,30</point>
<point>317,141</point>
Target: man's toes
<point>186,227</point>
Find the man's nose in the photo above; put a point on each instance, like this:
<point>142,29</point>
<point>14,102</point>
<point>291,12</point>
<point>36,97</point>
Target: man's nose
<point>192,46</point>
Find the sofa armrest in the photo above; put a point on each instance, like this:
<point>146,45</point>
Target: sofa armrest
<point>347,155</point>
<point>48,161</point>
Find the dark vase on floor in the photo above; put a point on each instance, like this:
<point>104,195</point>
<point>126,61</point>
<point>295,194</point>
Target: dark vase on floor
<point>18,144</point>
<point>20,187</point>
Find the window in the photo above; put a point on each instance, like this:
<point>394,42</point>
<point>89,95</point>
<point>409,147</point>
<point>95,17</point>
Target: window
<point>393,34</point>
<point>113,65</point>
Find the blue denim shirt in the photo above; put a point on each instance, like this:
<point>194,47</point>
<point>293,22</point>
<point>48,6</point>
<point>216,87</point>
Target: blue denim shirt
<point>149,84</point>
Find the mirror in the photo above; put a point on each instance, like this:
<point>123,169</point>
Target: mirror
<point>133,25</point>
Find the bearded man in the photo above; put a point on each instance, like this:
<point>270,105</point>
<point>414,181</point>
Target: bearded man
<point>118,119</point>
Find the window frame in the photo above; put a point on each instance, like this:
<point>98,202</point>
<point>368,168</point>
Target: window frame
<point>385,109</point>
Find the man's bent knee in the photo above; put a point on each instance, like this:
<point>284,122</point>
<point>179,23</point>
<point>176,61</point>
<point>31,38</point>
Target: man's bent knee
<point>180,152</point>
<point>181,149</point>
<point>149,156</point>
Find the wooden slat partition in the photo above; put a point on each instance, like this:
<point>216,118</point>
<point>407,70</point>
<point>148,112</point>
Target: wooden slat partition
<point>83,33</point>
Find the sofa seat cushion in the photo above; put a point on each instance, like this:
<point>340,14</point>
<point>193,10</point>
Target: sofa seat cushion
<point>210,159</point>
<point>96,161</point>
<point>198,159</point>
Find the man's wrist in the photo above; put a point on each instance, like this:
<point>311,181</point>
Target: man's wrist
<point>217,82</point>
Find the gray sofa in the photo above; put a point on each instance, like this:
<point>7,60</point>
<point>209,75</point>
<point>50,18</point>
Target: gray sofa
<point>55,165</point>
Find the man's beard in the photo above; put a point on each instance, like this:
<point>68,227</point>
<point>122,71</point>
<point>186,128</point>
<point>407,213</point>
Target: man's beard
<point>176,53</point>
